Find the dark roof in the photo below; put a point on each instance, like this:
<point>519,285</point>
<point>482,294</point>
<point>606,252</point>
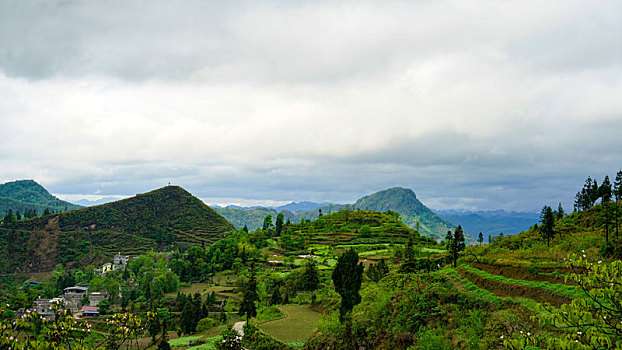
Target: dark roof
<point>76,289</point>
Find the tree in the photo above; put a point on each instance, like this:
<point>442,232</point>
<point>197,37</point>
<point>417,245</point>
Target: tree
<point>605,194</point>
<point>279,223</point>
<point>365,231</point>
<point>480,238</point>
<point>231,340</point>
<point>617,193</point>
<point>456,243</point>
<point>310,277</point>
<point>591,321</point>
<point>347,278</point>
<point>560,211</point>
<point>276,298</point>
<point>377,271</point>
<point>410,262</point>
<point>267,222</point>
<point>547,221</point>
<point>248,305</point>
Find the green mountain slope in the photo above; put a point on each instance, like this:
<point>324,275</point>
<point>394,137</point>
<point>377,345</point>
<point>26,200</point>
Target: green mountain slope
<point>154,220</point>
<point>401,200</point>
<point>411,210</point>
<point>28,195</point>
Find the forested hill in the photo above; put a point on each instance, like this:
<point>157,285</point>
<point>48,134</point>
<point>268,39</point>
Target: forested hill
<point>26,195</point>
<point>411,210</point>
<point>400,200</point>
<point>154,220</point>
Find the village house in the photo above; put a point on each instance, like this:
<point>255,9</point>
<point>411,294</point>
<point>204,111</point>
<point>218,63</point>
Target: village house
<point>96,297</point>
<point>44,307</point>
<point>73,297</point>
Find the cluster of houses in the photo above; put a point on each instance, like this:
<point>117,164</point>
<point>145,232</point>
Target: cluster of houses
<point>72,297</point>
<point>117,262</point>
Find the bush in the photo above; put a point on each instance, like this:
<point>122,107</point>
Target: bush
<point>206,324</point>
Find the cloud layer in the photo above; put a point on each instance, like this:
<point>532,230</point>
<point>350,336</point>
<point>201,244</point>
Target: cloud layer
<point>477,104</point>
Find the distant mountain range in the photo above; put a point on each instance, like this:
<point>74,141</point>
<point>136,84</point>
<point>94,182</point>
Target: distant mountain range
<point>90,203</point>
<point>25,195</point>
<point>491,222</point>
<point>169,216</point>
<point>400,200</point>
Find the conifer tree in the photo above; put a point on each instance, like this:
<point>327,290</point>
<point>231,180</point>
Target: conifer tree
<point>480,238</point>
<point>347,278</point>
<point>279,224</point>
<point>248,306</point>
<point>547,221</point>
<point>560,211</point>
<point>456,243</point>
<point>310,276</point>
<point>617,193</point>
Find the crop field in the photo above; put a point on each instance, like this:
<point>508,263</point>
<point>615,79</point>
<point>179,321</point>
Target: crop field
<point>297,326</point>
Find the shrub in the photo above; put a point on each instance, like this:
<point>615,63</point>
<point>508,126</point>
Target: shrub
<point>206,324</point>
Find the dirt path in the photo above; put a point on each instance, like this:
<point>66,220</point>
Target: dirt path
<point>239,327</point>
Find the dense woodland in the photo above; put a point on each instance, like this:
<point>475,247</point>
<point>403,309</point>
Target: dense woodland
<point>351,279</point>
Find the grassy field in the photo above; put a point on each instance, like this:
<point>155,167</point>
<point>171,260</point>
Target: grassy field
<point>297,326</point>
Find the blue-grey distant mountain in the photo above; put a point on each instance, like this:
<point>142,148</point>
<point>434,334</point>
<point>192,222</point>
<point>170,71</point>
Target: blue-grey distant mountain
<point>89,203</point>
<point>491,222</point>
<point>25,195</point>
<point>297,206</point>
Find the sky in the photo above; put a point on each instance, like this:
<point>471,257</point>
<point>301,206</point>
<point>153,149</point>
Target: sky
<point>472,104</point>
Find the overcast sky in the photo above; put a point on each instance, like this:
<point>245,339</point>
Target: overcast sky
<point>472,104</point>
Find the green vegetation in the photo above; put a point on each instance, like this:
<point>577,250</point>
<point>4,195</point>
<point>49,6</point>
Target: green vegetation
<point>168,217</point>
<point>27,196</point>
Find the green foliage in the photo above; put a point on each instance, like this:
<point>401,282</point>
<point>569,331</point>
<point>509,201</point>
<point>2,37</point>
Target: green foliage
<point>28,197</point>
<point>148,221</point>
<point>206,324</point>
<point>547,221</point>
<point>365,231</point>
<point>347,279</point>
<point>248,306</point>
<point>230,340</point>
<point>594,320</point>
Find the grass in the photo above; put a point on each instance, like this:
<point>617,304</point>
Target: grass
<point>183,341</point>
<point>210,344</point>
<point>571,291</point>
<point>297,326</point>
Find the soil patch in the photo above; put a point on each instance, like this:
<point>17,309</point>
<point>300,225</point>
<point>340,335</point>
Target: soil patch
<point>521,273</point>
<point>503,289</point>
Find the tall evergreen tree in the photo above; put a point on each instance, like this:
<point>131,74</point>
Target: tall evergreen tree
<point>310,276</point>
<point>347,278</point>
<point>604,191</point>
<point>560,211</point>
<point>547,221</point>
<point>456,243</point>
<point>480,238</point>
<point>378,270</point>
<point>617,193</point>
<point>267,222</point>
<point>279,223</point>
<point>248,305</point>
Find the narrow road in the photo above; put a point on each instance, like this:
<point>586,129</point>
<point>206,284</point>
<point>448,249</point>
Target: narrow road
<point>239,327</point>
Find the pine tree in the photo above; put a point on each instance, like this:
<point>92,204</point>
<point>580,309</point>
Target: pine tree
<point>186,320</point>
<point>347,278</point>
<point>547,221</point>
<point>310,276</point>
<point>248,306</point>
<point>480,238</point>
<point>456,243</point>
<point>617,193</point>
<point>279,224</point>
<point>605,194</point>
<point>560,211</point>
<point>267,222</point>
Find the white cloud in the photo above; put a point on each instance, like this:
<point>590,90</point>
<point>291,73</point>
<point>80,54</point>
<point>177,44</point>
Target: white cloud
<point>311,100</point>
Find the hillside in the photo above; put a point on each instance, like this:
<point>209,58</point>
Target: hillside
<point>400,200</point>
<point>411,210</point>
<point>492,222</point>
<point>154,220</point>
<point>25,195</point>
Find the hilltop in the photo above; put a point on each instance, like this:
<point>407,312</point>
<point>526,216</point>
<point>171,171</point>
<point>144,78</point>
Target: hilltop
<point>169,216</point>
<point>400,200</point>
<point>25,195</point>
